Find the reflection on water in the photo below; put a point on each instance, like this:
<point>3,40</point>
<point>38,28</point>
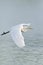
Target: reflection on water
<point>15,12</point>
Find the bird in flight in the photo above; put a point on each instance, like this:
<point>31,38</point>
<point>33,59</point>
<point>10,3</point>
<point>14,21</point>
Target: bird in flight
<point>16,33</point>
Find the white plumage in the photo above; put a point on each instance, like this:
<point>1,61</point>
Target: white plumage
<point>16,34</point>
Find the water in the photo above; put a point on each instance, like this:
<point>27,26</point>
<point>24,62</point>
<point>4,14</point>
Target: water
<point>14,12</point>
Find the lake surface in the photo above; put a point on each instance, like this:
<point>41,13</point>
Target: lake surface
<point>15,12</point>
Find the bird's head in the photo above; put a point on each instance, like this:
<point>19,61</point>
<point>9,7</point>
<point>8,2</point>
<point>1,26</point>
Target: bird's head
<point>26,27</point>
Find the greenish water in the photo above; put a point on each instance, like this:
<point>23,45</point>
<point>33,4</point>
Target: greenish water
<point>14,12</point>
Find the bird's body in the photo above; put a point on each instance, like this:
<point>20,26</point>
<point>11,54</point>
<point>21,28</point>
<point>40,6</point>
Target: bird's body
<point>17,37</point>
<point>16,34</point>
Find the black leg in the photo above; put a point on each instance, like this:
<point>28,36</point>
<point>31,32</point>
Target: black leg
<point>5,33</point>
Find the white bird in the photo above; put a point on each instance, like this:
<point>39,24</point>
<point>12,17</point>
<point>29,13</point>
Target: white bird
<point>16,33</point>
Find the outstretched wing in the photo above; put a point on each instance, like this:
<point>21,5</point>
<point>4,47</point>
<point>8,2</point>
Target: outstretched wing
<point>17,36</point>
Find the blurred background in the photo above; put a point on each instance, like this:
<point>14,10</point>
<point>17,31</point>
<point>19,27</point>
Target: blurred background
<point>13,12</point>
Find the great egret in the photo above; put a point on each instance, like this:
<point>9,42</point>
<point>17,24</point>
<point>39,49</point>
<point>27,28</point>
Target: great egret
<point>16,33</point>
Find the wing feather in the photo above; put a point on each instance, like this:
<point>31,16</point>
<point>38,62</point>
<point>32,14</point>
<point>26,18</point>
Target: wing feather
<point>17,36</point>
